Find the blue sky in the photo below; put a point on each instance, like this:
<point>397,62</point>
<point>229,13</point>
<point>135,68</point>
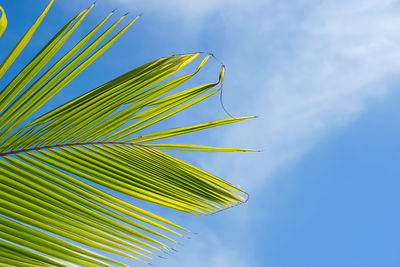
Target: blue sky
<point>322,76</point>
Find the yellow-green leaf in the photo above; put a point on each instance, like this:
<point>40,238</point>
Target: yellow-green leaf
<point>3,21</point>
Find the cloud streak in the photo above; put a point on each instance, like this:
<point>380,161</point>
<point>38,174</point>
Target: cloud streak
<point>307,69</point>
<point>342,60</point>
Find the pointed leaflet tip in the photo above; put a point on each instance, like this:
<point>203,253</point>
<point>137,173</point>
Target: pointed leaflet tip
<point>3,21</point>
<point>21,44</point>
<point>92,5</point>
<point>217,59</point>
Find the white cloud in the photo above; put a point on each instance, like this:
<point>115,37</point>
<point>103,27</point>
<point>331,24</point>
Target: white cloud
<point>345,53</point>
<point>307,69</point>
<point>189,9</point>
<point>197,253</point>
<point>192,16</point>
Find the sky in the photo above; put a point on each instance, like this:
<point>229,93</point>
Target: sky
<point>322,77</point>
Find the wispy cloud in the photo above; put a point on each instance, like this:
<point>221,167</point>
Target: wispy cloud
<point>307,69</point>
<point>343,55</point>
<point>199,253</point>
<point>190,10</point>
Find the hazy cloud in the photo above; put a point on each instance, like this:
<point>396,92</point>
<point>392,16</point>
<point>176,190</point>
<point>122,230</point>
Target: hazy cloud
<point>306,68</point>
<point>344,53</point>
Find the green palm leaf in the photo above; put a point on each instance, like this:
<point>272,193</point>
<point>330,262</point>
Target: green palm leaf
<point>3,21</point>
<point>58,171</point>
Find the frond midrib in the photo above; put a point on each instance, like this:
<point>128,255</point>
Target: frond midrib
<point>37,148</point>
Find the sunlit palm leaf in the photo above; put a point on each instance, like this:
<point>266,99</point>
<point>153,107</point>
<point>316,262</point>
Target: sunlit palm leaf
<point>53,169</point>
<point>3,21</point>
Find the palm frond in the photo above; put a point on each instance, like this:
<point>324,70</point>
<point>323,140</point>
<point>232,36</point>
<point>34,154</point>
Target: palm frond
<point>59,171</point>
<point>22,42</point>
<point>3,21</point>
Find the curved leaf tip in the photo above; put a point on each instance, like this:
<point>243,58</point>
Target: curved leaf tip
<point>22,42</point>
<point>3,21</point>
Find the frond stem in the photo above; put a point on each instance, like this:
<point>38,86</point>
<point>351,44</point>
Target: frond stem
<point>13,152</point>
